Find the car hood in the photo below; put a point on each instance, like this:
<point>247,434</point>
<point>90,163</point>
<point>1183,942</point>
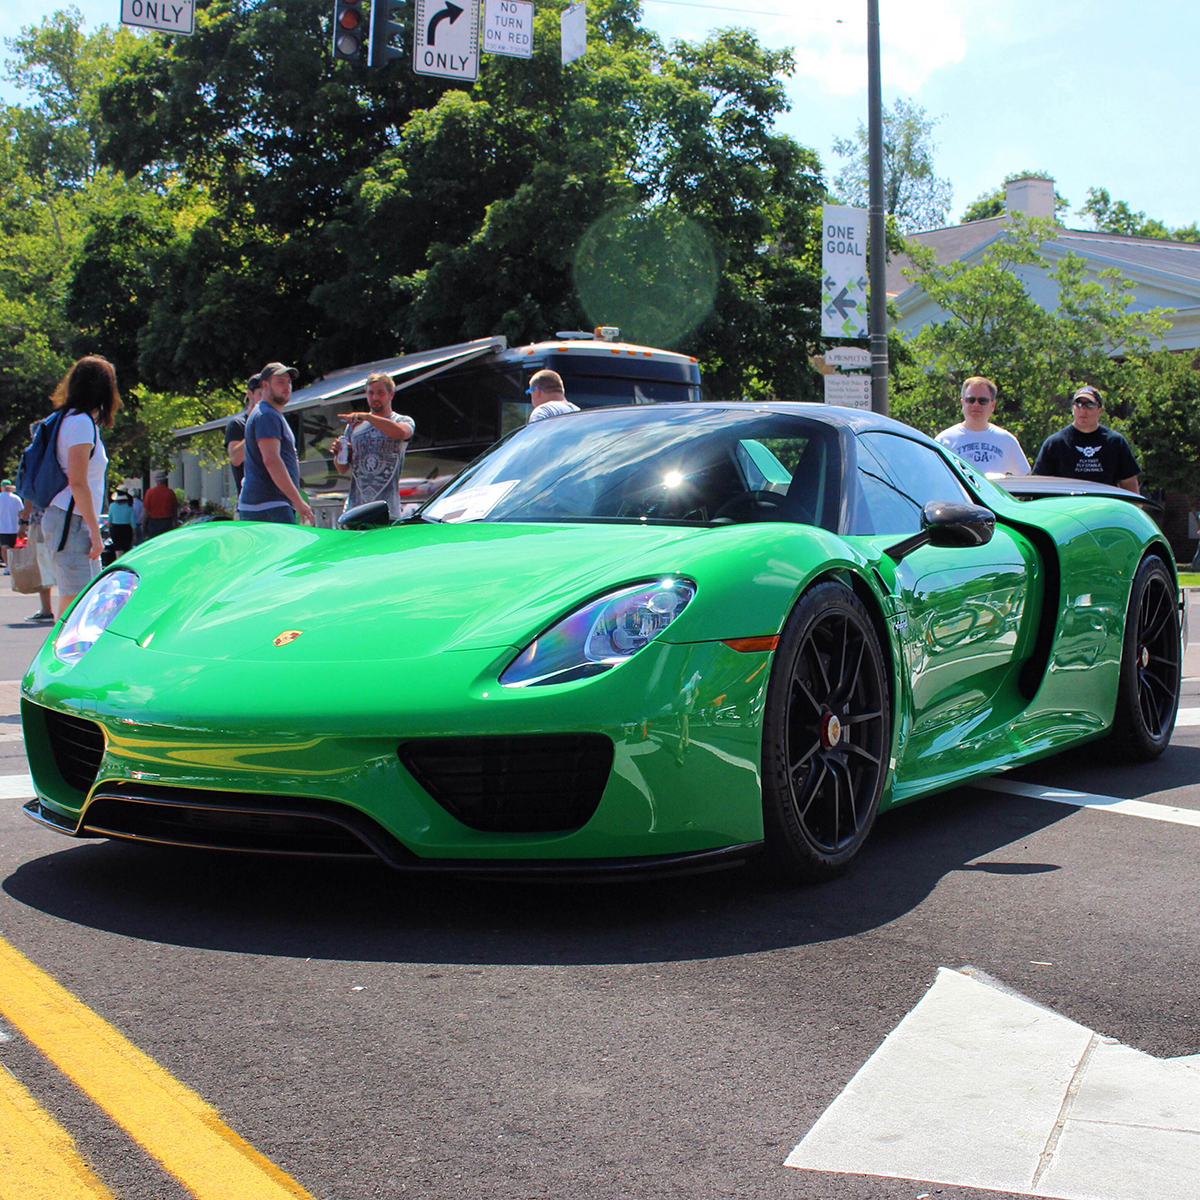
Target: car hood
<point>229,591</point>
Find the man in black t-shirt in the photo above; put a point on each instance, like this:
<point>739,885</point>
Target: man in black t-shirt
<point>1088,450</point>
<point>235,430</point>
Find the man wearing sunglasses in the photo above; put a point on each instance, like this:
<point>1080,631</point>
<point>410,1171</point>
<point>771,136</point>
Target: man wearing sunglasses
<point>546,394</point>
<point>1088,450</point>
<point>993,450</point>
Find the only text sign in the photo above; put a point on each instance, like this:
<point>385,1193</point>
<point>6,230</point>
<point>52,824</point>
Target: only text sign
<point>843,271</point>
<point>168,16</point>
<point>508,27</point>
<point>446,39</point>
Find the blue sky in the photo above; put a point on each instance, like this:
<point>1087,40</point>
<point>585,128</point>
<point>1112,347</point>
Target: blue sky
<point>1094,92</point>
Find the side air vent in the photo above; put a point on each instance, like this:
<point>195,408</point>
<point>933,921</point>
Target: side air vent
<point>77,745</point>
<point>519,784</point>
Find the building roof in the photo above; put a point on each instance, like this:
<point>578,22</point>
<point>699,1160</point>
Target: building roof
<point>1181,259</point>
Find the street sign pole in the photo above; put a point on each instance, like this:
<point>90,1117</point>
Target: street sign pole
<point>877,269</point>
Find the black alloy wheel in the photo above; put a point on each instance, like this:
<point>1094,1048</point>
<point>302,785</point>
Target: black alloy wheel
<point>826,734</point>
<point>1151,665</point>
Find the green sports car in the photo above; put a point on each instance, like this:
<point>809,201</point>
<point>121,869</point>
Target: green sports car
<point>624,638</point>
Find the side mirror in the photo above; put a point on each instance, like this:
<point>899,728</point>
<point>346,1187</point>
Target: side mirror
<point>948,523</point>
<point>366,516</point>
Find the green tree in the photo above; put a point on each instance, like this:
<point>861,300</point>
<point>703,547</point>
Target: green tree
<point>356,212</point>
<point>62,68</point>
<point>991,204</point>
<point>1164,420</point>
<point>81,250</point>
<point>1116,216</point>
<point>994,327</point>
<point>912,192</point>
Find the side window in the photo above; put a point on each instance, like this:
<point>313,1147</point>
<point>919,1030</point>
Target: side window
<point>897,478</point>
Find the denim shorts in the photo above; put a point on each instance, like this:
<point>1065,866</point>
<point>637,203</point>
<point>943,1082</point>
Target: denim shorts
<point>281,514</point>
<point>73,570</point>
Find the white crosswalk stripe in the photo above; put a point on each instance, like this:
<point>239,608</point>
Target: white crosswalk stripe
<point>16,787</point>
<point>1127,808</point>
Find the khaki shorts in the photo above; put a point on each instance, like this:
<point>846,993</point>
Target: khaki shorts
<point>45,565</point>
<point>72,568</point>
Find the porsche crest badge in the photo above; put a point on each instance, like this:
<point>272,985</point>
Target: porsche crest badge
<point>288,635</point>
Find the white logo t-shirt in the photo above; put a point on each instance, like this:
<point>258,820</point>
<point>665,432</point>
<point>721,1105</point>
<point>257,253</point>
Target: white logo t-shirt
<point>993,450</point>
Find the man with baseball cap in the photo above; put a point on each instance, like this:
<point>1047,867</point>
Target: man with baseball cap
<point>235,429</point>
<point>11,519</point>
<point>1085,449</point>
<point>271,484</point>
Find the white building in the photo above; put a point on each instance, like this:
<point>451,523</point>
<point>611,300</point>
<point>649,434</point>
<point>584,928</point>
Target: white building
<point>1165,274</point>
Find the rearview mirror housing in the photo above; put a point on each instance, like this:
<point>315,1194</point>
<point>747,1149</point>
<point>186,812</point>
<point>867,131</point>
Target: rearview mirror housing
<point>948,523</point>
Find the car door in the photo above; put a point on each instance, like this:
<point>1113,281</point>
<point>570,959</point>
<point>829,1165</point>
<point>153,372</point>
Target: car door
<point>963,614</point>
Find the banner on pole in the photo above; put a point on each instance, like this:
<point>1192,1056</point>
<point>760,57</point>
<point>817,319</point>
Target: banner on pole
<point>843,272</point>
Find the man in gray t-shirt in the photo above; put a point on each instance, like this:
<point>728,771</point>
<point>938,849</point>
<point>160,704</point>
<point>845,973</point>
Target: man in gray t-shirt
<point>378,441</point>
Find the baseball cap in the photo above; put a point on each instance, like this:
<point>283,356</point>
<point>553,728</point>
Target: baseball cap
<point>1087,390</point>
<point>253,382</point>
<point>277,368</point>
<point>6,483</point>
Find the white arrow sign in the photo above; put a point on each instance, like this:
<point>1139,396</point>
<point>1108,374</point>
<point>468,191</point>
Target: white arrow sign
<point>446,39</point>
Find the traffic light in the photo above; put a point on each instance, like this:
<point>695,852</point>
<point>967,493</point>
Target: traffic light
<point>349,28</point>
<point>384,27</point>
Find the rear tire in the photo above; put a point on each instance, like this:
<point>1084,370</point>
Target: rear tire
<point>1151,664</point>
<point>826,734</point>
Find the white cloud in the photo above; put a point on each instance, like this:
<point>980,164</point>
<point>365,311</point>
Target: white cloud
<point>916,37</point>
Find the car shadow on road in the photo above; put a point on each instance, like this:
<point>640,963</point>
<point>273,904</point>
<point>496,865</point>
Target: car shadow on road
<point>365,911</point>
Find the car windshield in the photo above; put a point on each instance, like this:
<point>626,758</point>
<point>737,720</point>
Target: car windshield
<point>666,464</point>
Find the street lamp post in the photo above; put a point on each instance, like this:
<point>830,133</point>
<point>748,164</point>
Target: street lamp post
<point>877,265</point>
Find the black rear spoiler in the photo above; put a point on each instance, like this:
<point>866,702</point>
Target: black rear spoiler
<point>1037,487</point>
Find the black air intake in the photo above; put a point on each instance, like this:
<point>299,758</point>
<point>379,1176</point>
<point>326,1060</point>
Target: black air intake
<point>77,745</point>
<point>550,783</point>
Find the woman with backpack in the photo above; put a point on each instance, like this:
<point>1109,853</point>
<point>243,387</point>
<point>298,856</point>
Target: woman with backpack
<point>86,398</point>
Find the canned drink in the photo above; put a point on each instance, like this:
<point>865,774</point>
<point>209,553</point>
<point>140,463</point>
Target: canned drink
<point>343,454</point>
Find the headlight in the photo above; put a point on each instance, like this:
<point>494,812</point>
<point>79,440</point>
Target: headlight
<point>600,635</point>
<point>93,614</point>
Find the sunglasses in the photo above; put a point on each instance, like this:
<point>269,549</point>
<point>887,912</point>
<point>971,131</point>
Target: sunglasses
<point>530,390</point>
<point>977,399</point>
<point>1088,404</point>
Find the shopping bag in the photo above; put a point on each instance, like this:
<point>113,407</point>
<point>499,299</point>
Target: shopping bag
<point>23,567</point>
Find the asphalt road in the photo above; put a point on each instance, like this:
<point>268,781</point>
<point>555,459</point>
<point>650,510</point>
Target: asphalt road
<point>377,1036</point>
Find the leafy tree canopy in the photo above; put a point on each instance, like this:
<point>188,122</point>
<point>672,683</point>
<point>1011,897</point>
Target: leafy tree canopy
<point>1164,421</point>
<point>993,327</point>
<point>1115,216</point>
<point>912,192</point>
<point>356,212</point>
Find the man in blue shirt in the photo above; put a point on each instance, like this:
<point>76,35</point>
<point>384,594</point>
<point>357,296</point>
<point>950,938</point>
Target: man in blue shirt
<point>271,487</point>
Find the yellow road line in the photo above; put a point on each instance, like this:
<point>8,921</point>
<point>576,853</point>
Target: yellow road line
<point>38,1159</point>
<point>170,1121</point>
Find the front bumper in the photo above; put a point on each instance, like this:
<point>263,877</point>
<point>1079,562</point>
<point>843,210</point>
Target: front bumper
<point>283,771</point>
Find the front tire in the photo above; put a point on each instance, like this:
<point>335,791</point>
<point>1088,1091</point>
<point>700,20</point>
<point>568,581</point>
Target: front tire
<point>1151,665</point>
<point>826,734</point>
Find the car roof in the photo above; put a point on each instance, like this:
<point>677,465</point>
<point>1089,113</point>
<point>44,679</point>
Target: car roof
<point>855,420</point>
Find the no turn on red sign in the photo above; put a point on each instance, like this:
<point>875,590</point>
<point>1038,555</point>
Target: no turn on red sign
<point>446,39</point>
<point>508,27</point>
